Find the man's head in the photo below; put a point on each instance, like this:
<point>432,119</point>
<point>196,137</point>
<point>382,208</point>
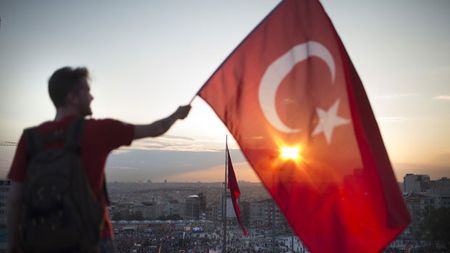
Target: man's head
<point>69,89</point>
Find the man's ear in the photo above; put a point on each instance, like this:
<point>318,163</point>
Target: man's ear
<point>71,99</point>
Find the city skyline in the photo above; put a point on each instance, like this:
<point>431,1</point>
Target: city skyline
<point>140,53</point>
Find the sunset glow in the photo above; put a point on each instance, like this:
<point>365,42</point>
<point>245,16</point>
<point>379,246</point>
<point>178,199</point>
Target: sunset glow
<point>290,153</point>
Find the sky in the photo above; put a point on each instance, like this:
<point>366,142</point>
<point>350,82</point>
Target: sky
<point>148,57</point>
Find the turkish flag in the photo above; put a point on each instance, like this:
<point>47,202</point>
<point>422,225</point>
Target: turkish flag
<point>290,85</point>
<point>234,192</point>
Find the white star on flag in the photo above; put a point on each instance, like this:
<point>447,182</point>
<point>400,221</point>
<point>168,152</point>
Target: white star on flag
<point>328,120</point>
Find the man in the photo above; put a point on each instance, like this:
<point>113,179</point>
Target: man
<point>70,93</point>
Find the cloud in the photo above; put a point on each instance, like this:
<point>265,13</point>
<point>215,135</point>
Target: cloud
<point>6,157</point>
<point>122,168</point>
<point>177,137</point>
<point>162,164</point>
<point>174,143</point>
<point>397,96</point>
<point>120,151</point>
<point>443,158</point>
<point>443,97</point>
<point>216,174</point>
<point>440,70</point>
<point>393,119</point>
<point>433,170</point>
<point>8,143</point>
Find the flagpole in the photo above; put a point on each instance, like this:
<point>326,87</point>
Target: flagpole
<point>292,241</point>
<point>273,225</point>
<point>224,246</point>
<point>192,99</point>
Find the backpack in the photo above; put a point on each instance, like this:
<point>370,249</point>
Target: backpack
<point>60,212</point>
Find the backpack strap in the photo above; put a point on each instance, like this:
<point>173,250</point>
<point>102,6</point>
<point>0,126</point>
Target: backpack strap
<point>35,141</point>
<point>73,136</point>
<point>73,144</point>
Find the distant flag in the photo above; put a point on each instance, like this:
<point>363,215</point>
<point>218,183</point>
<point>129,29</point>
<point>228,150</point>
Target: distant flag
<point>293,101</point>
<point>235,192</point>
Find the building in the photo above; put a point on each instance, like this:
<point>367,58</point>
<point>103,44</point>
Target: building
<point>172,208</point>
<point>192,210</point>
<point>439,190</point>
<point>214,211</point>
<point>148,210</point>
<point>4,189</point>
<point>175,207</point>
<point>422,195</point>
<point>265,213</point>
<point>202,202</point>
<point>433,194</point>
<point>416,183</point>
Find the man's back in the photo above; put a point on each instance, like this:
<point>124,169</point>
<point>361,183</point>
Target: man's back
<point>99,138</point>
<point>69,91</point>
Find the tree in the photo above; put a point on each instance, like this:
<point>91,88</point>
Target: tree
<point>436,226</point>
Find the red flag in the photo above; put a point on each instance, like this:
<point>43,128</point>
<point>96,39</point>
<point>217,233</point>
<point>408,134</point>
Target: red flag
<point>293,101</point>
<point>235,192</point>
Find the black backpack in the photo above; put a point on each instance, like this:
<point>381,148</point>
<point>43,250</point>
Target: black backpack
<point>60,211</point>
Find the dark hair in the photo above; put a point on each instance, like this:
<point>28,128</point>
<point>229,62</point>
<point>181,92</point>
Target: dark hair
<point>63,81</point>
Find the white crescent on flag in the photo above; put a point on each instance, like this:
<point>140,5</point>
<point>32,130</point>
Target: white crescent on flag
<point>278,70</point>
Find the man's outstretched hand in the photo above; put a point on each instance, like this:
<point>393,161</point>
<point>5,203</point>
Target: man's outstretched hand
<point>182,111</point>
<point>161,126</point>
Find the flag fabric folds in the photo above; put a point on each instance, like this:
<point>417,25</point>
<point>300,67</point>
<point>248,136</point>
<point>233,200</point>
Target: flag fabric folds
<point>234,192</point>
<point>290,85</point>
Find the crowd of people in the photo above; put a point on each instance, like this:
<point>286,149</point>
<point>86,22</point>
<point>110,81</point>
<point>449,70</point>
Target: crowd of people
<point>208,238</point>
<point>170,238</point>
<point>147,239</point>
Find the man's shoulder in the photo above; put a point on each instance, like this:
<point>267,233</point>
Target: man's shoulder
<point>103,122</point>
<point>92,126</point>
<point>52,124</point>
<point>44,127</point>
<point>112,133</point>
<point>106,125</point>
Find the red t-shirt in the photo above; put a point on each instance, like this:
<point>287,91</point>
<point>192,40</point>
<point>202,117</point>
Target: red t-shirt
<point>99,138</point>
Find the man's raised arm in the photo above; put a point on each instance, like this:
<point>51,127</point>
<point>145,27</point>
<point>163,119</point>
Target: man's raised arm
<point>161,126</point>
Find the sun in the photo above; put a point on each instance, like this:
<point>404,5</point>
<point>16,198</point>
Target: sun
<point>290,153</point>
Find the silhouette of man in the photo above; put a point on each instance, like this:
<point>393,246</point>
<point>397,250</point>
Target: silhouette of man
<point>70,93</point>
